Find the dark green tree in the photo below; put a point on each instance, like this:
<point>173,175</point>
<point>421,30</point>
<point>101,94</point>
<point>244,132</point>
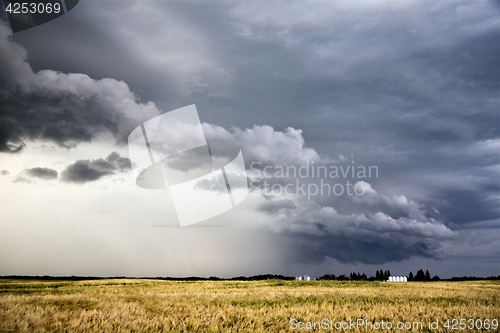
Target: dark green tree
<point>420,275</point>
<point>410,276</point>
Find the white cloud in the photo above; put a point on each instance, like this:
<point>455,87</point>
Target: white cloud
<point>266,145</point>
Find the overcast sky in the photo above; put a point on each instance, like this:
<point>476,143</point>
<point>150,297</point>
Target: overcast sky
<point>411,87</point>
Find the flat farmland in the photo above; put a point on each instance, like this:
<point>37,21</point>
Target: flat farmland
<point>143,305</point>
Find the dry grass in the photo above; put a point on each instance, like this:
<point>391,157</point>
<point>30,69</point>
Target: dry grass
<point>231,306</point>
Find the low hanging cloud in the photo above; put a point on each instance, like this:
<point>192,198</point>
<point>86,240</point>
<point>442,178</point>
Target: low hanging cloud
<point>63,108</point>
<point>84,171</point>
<point>42,173</point>
<point>32,174</point>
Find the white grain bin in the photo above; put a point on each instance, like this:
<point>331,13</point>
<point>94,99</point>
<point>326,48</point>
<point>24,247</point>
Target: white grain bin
<point>298,278</point>
<point>307,278</point>
<point>398,279</point>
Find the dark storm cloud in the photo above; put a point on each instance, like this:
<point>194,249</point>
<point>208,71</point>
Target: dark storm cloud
<point>300,65</point>
<point>84,171</point>
<point>319,232</point>
<point>63,108</point>
<point>395,227</point>
<point>42,173</point>
<point>411,88</point>
<point>383,81</point>
<point>366,251</point>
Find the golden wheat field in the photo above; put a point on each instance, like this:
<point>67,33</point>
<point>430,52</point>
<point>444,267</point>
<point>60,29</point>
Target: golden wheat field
<point>138,305</point>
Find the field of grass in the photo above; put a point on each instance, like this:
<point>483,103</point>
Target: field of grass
<point>133,305</point>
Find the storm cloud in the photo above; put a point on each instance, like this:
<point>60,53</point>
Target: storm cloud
<point>57,107</point>
<point>319,232</point>
<point>395,227</point>
<point>408,86</point>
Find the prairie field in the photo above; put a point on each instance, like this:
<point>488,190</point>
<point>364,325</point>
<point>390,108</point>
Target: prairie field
<point>141,305</point>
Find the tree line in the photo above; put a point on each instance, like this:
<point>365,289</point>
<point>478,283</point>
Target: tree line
<point>381,275</point>
<point>420,276</point>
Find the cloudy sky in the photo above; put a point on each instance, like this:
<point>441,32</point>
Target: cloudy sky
<point>408,87</point>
